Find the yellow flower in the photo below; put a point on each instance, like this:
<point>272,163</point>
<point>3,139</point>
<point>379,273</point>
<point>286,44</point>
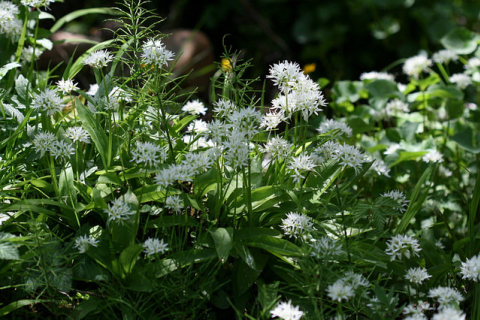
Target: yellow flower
<point>226,65</point>
<point>309,68</point>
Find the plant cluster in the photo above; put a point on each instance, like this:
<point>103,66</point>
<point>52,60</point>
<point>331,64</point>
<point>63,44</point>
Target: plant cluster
<point>131,200</point>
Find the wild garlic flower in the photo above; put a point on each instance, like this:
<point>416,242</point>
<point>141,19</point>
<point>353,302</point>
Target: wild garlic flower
<point>98,59</point>
<point>402,245</point>
<point>30,54</point>
<point>10,25</point>
<point>272,120</point>
<point>200,162</point>
<point>286,311</point>
<point>119,211</point>
<point>349,156</point>
<point>278,148</point>
<point>92,90</point>
<point>379,167</point>
<point>198,126</point>
<point>36,3</point>
<point>472,65</point>
<point>83,242</point>
<point>285,74</point>
<point>461,80</point>
<point>444,56</point>
<point>433,156</point>
<point>331,124</point>
<point>414,66</point>
<point>120,94</point>
<point>153,246</point>
<point>449,313</point>
<point>445,296</point>
<point>166,177</point>
<point>110,103</point>
<point>340,290</point>
<point>66,86</point>
<point>48,101</point>
<point>373,75</point>
<point>155,53</point>
<point>245,121</point>
<point>417,275</point>
<point>194,107</point>
<point>471,269</point>
<point>417,310</point>
<point>175,203</point>
<point>399,197</point>
<point>44,142</point>
<point>78,134</point>
<point>326,248</point>
<point>395,107</point>
<point>219,130</point>
<point>297,225</point>
<point>62,149</point>
<point>148,153</point>
<point>237,150</point>
<point>392,148</point>
<point>300,164</point>
<point>224,107</point>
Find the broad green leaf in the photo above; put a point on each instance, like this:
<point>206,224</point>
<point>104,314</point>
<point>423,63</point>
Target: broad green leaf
<point>66,187</point>
<point>383,89</point>
<point>244,276</point>
<point>181,260</point>
<point>8,249</point>
<point>358,125</point>
<point>274,245</point>
<point>223,238</point>
<point>9,66</point>
<point>80,13</point>
<point>460,40</point>
<point>16,305</point>
<point>248,232</point>
<point>408,155</point>
<point>468,139</point>
<point>22,85</point>
<point>128,257</point>
<point>347,91</point>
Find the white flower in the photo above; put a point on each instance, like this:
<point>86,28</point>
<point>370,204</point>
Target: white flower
<point>417,275</point>
<point>66,86</point>
<point>445,296</point>
<point>402,245</point>
<point>444,56</point>
<point>297,225</point>
<point>148,153</point>
<point>83,242</point>
<point>166,177</point>
<point>194,107</point>
<point>48,101</point>
<point>330,125</point>
<point>380,167</point>
<point>224,107</point>
<point>36,3</point>
<point>340,291</point>
<point>200,162</point>
<point>175,203</point>
<point>471,269</point>
<point>433,156</point>
<point>461,80</point>
<point>43,142</point>
<point>120,94</point>
<point>153,246</point>
<point>392,148</point>
<point>278,148</point>
<point>414,66</point>
<point>286,311</point>
<point>472,65</point>
<point>62,149</point>
<point>118,211</point>
<point>110,103</point>
<point>10,25</point>
<point>449,313</point>
<point>92,90</point>
<point>285,74</point>
<point>373,75</point>
<point>303,162</point>
<point>395,107</point>
<point>198,126</point>
<point>98,59</point>
<point>271,120</point>
<point>349,156</point>
<point>154,52</point>
<point>219,130</point>
<point>417,309</point>
<point>399,197</point>
<point>78,134</point>
<point>326,248</point>
<point>355,280</point>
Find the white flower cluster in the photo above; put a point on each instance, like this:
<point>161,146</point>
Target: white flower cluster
<point>344,288</point>
<point>278,148</point>
<point>417,275</point>
<point>395,107</point>
<point>402,245</point>
<point>374,75</point>
<point>175,203</point>
<point>461,80</point>
<point>83,242</point>
<point>433,156</point>
<point>118,211</point>
<point>471,269</point>
<point>153,246</point>
<point>194,107</point>
<point>148,153</point>
<point>416,311</point>
<point>326,248</point>
<point>10,25</point>
<point>297,225</point>
<point>48,101</point>
<point>399,197</point>
<point>66,86</point>
<point>286,311</point>
<point>48,142</point>
<point>445,296</point>
<point>298,91</point>
<point>36,3</point>
<point>78,134</point>
<point>299,165</point>
<point>98,59</point>
<point>346,155</point>
<point>155,53</point>
<point>414,66</point>
<point>444,56</point>
<point>330,125</point>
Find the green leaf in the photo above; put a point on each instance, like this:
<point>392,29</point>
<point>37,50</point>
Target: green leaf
<point>79,13</point>
<point>9,66</point>
<point>8,249</point>
<point>273,245</point>
<point>383,89</point>
<point>95,131</point>
<point>128,257</point>
<point>223,238</point>
<point>170,221</point>
<point>460,40</point>
<point>16,305</point>
<point>468,139</point>
<point>346,91</point>
<point>408,155</point>
<point>181,260</point>
<point>244,276</point>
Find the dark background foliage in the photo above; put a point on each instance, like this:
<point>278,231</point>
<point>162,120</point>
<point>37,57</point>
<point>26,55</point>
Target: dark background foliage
<point>344,38</point>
